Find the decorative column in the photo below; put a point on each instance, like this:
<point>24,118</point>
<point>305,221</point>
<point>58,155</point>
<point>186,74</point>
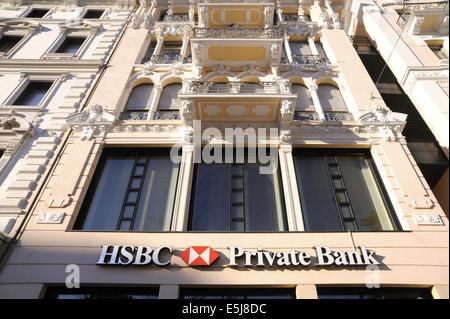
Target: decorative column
<point>159,43</point>
<point>312,45</point>
<point>268,17</point>
<point>156,95</point>
<point>287,49</point>
<point>181,209</point>
<point>290,189</point>
<point>280,15</point>
<point>316,101</point>
<point>184,47</point>
<point>192,11</point>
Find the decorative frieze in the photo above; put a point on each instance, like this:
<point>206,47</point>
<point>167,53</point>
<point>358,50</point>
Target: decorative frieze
<point>428,219</point>
<point>50,218</point>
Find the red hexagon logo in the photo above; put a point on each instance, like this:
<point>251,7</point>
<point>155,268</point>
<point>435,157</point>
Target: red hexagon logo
<point>199,255</point>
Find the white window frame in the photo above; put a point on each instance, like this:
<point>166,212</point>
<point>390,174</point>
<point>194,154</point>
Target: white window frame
<point>25,81</point>
<point>71,32</point>
<point>85,11</point>
<point>31,8</point>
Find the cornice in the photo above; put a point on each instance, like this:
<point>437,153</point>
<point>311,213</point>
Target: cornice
<point>25,65</point>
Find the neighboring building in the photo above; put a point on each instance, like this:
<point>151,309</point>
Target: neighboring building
<point>51,54</point>
<point>345,178</point>
<point>411,39</point>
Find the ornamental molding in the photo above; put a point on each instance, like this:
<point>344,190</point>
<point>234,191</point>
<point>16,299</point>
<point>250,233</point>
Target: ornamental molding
<point>176,29</point>
<point>439,74</point>
<point>11,122</point>
<point>91,121</point>
<point>380,115</point>
<point>50,218</point>
<point>19,24</point>
<point>80,25</point>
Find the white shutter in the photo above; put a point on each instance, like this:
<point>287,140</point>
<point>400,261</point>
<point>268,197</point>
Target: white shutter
<point>169,98</point>
<point>304,100</point>
<point>139,98</point>
<point>331,99</point>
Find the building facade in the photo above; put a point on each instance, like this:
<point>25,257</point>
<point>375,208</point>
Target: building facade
<point>229,149</point>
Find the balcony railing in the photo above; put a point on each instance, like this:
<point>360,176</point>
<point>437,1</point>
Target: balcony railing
<point>167,115</point>
<point>134,115</point>
<point>338,116</point>
<point>236,1</point>
<point>294,18</point>
<point>168,59</point>
<point>176,18</point>
<point>238,33</point>
<point>310,63</point>
<point>233,88</point>
<point>306,116</point>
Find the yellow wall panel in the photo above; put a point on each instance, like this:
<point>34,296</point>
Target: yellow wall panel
<point>236,53</point>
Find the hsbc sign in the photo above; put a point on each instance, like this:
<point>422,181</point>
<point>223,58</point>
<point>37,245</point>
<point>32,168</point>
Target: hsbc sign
<point>204,256</point>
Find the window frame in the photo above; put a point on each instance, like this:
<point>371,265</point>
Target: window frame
<point>86,200</point>
<point>22,86</point>
<point>45,16</point>
<point>193,183</point>
<point>392,214</point>
<point>86,10</point>
<point>89,36</point>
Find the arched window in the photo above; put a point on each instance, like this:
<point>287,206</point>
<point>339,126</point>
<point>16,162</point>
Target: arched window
<point>169,99</point>
<point>138,103</point>
<point>169,104</point>
<point>304,108</point>
<point>333,103</point>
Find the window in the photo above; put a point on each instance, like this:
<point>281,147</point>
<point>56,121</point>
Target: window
<point>33,93</point>
<point>237,293</point>
<point>331,98</point>
<point>438,49</point>
<point>71,45</point>
<point>236,197</point>
<point>8,42</point>
<point>300,48</point>
<point>375,293</point>
<point>304,100</point>
<point>93,14</point>
<point>101,293</point>
<point>149,52</point>
<point>37,13</point>
<point>132,190</point>
<point>320,50</point>
<point>169,99</point>
<point>162,14</point>
<point>138,103</point>
<point>171,48</point>
<point>340,190</point>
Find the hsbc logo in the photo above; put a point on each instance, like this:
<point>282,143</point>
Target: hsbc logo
<point>204,256</point>
<point>199,256</point>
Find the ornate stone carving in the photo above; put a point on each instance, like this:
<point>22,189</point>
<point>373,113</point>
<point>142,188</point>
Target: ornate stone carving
<point>50,218</point>
<point>91,121</point>
<point>186,110</point>
<point>287,110</point>
<point>382,115</point>
<point>428,219</point>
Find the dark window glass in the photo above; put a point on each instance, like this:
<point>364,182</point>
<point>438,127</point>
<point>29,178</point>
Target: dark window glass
<point>8,42</point>
<point>101,293</point>
<point>33,93</point>
<point>132,191</point>
<point>93,14</point>
<point>238,293</point>
<point>37,13</point>
<point>236,197</point>
<point>71,45</point>
<point>375,293</point>
<point>341,191</point>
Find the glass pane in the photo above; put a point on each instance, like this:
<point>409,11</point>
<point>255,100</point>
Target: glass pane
<point>136,183</point>
<point>158,195</point>
<point>106,204</point>
<point>264,209</point>
<point>33,93</point>
<point>331,99</point>
<point>341,197</point>
<point>337,183</point>
<point>345,211</point>
<point>139,170</point>
<point>71,45</point>
<point>316,195</point>
<point>125,225</point>
<point>304,100</point>
<point>8,42</point>
<point>139,98</point>
<point>211,203</point>
<point>132,197</point>
<point>93,14</point>
<point>300,48</point>
<point>367,203</point>
<point>128,211</point>
<point>169,98</point>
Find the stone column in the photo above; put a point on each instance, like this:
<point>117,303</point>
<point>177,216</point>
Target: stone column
<point>156,95</point>
<point>316,101</point>
<point>312,45</point>
<point>287,49</point>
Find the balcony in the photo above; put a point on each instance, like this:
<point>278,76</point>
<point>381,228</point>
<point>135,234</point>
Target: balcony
<point>237,47</point>
<point>176,18</point>
<point>236,101</point>
<point>143,116</point>
<point>309,63</point>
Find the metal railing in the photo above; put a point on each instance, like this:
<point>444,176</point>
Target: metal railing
<point>240,33</point>
<point>234,88</point>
